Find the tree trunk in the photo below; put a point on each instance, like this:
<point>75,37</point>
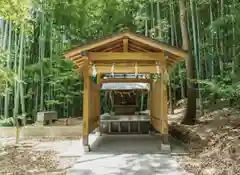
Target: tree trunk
<point>190,115</point>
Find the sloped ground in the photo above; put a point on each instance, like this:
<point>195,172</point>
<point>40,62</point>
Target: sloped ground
<point>213,143</point>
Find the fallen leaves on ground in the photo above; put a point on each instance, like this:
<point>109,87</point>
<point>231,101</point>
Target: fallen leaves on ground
<point>213,143</point>
<point>22,160</point>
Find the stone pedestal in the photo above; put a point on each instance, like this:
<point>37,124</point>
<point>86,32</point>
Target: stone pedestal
<point>166,148</point>
<point>86,148</point>
<point>98,133</point>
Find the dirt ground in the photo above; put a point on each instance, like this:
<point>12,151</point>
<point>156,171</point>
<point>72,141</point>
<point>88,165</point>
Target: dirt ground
<point>213,143</point>
<point>23,160</point>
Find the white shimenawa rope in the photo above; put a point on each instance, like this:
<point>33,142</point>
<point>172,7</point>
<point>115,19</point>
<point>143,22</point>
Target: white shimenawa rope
<point>136,69</point>
<point>157,68</point>
<point>112,69</point>
<point>94,70</point>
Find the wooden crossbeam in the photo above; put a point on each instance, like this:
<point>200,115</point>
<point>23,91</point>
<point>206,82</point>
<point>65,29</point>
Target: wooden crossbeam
<point>138,56</point>
<point>104,69</point>
<point>126,80</point>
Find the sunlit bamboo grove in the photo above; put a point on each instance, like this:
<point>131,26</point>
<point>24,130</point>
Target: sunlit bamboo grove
<point>34,35</point>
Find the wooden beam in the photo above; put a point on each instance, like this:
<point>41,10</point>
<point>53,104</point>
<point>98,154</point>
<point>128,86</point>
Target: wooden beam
<point>138,56</point>
<point>117,46</point>
<point>75,57</point>
<point>124,69</point>
<point>126,80</point>
<point>134,50</point>
<point>81,59</point>
<point>140,49</point>
<point>125,45</point>
<point>129,64</point>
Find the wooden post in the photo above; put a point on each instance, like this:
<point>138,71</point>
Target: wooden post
<point>150,102</point>
<point>86,109</point>
<point>98,103</point>
<point>164,108</point>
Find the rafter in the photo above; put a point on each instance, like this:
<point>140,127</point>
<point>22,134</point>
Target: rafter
<point>112,48</point>
<point>138,48</point>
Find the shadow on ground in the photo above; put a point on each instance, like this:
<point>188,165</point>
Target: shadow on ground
<point>126,155</point>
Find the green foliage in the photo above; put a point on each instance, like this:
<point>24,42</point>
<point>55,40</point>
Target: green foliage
<point>6,75</point>
<point>7,121</point>
<point>62,24</point>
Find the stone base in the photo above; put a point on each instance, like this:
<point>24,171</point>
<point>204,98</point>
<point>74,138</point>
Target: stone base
<point>98,133</point>
<point>165,148</point>
<point>152,132</point>
<point>86,148</point>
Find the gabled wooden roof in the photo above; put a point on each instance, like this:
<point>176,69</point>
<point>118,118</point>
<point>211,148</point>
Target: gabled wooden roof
<point>135,43</point>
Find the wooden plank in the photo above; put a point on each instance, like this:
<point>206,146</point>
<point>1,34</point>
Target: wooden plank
<point>148,41</point>
<point>139,49</point>
<point>138,56</point>
<point>113,48</point>
<point>124,62</point>
<point>76,57</point>
<point>144,48</point>
<point>125,80</point>
<point>125,45</point>
<point>156,105</point>
<point>124,69</point>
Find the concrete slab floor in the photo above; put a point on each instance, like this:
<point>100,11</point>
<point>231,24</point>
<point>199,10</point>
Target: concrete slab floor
<point>126,155</point>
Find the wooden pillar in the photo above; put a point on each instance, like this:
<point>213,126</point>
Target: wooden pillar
<point>98,98</point>
<point>98,102</point>
<point>150,94</point>
<point>164,107</point>
<point>86,108</point>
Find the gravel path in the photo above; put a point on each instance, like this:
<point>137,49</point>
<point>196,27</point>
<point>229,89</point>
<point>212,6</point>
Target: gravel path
<point>111,155</point>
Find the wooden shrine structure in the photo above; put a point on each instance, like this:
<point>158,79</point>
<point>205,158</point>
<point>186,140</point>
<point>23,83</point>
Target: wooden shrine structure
<point>125,53</point>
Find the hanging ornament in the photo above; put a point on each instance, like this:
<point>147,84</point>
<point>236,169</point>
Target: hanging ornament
<point>112,69</point>
<point>94,70</point>
<point>157,68</point>
<point>136,69</point>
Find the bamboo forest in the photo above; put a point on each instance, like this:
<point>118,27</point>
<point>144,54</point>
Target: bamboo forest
<point>36,77</point>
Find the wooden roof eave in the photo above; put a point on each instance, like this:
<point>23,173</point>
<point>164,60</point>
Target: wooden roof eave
<point>141,39</point>
<point>145,40</point>
<point>93,45</point>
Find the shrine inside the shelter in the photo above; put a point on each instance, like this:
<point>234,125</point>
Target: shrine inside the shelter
<point>127,106</point>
